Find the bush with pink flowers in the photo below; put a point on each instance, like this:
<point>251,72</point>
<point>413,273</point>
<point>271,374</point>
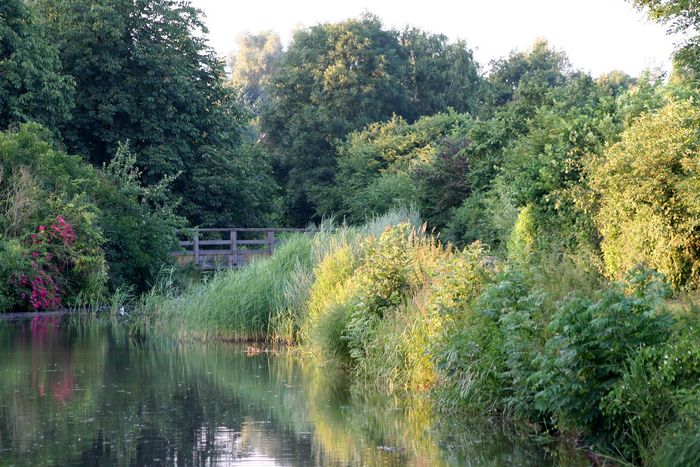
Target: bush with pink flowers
<point>49,253</point>
<point>69,232</point>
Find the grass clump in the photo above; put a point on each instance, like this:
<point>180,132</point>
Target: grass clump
<point>241,304</point>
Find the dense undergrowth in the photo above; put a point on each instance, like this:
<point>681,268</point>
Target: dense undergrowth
<point>613,365</point>
<point>579,317</point>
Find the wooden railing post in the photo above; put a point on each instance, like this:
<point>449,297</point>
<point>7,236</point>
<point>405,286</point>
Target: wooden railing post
<point>232,258</point>
<point>271,241</point>
<point>196,249</point>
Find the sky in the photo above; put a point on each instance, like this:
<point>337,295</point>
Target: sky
<point>598,35</point>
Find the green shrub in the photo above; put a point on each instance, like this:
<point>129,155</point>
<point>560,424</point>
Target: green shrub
<point>121,228</point>
<point>522,316</point>
<point>521,244</point>
<point>385,280</point>
<point>327,305</point>
<point>408,289</point>
<point>399,357</point>
<point>12,259</point>
<point>387,192</point>
<point>654,389</point>
<point>590,344</point>
<point>487,216</point>
<point>490,354</point>
<point>473,363</point>
<point>638,406</point>
<point>138,223</point>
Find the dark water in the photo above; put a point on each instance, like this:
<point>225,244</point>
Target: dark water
<point>88,394</point>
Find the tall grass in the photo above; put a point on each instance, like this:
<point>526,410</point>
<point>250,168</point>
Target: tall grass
<point>239,304</point>
<point>268,300</point>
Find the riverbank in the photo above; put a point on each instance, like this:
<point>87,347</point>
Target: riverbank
<point>544,339</point>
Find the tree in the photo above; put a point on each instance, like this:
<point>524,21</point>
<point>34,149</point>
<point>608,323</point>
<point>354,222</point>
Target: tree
<point>253,64</point>
<point>145,75</point>
<point>615,83</point>
<point>338,78</point>
<point>32,86</point>
<point>647,186</point>
<point>393,164</point>
<point>138,222</point>
<point>440,75</point>
<point>334,78</point>
<point>544,169</point>
<point>682,16</point>
<point>526,75</point>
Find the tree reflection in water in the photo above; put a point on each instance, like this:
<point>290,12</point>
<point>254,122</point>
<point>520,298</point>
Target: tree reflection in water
<point>86,393</point>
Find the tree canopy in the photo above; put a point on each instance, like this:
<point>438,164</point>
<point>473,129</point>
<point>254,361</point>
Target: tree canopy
<point>32,84</point>
<point>337,78</point>
<point>145,75</point>
<point>252,65</point>
<point>682,16</point>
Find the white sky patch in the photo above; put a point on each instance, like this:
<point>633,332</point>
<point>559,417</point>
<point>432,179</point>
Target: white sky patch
<point>598,35</point>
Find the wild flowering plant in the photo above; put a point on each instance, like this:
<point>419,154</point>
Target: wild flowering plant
<point>49,256</point>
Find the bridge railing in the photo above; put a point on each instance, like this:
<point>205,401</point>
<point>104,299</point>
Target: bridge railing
<point>229,247</point>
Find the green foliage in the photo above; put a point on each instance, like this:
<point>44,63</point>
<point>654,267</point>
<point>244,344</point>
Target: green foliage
<point>526,76</point>
<point>385,276</point>
<point>32,86</point>
<point>138,223</point>
<point>544,168</point>
<point>681,444</point>
<point>236,188</point>
<point>441,75</point>
<point>647,188</point>
<point>60,186</point>
<point>406,291</point>
<point>238,304</point>
<point>611,366</point>
<point>387,165</point>
<point>652,398</point>
<point>489,356</point>
<point>254,62</point>
<point>590,344</point>
<point>486,216</point>
<point>122,228</point>
<point>647,96</point>
<point>521,243</point>
<point>389,191</point>
<point>12,260</point>
<point>334,78</point>
<point>338,78</point>
<point>324,322</point>
<point>384,282</point>
<point>162,90</point>
<point>445,180</point>
<point>682,16</point>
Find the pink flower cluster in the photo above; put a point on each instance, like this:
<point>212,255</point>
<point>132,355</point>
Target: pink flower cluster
<point>50,255</point>
<point>63,230</point>
<point>44,292</point>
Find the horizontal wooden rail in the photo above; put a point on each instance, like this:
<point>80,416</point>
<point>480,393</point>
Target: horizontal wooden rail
<point>230,250</point>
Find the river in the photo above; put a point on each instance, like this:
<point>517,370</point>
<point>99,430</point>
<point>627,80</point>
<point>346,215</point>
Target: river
<point>78,392</point>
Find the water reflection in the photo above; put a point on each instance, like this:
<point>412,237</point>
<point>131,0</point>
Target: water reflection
<point>88,394</point>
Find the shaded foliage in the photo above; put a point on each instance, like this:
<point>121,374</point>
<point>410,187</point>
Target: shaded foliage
<point>32,84</point>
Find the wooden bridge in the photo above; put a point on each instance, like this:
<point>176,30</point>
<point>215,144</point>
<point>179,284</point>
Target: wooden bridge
<point>229,248</point>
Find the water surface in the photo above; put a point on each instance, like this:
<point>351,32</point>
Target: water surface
<point>90,394</point>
